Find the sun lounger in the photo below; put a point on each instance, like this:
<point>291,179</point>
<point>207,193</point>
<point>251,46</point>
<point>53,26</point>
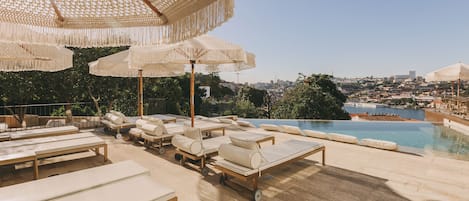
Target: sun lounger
<point>248,165</point>
<point>153,139</point>
<point>343,138</point>
<point>41,132</point>
<point>379,144</point>
<point>117,182</point>
<point>209,147</point>
<point>115,121</point>
<point>13,152</point>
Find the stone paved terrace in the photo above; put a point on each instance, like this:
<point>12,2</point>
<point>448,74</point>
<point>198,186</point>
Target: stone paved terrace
<point>351,173</point>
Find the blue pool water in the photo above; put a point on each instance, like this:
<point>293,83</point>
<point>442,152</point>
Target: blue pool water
<point>419,135</point>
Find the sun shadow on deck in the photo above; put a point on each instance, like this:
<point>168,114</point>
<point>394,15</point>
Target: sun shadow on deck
<point>303,180</point>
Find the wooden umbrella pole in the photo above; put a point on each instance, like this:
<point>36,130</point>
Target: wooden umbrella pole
<point>140,93</point>
<point>192,93</point>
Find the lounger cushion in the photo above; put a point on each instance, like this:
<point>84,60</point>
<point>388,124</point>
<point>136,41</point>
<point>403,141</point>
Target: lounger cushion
<point>55,123</point>
<point>139,123</point>
<point>245,124</point>
<point>42,132</point>
<point>3,127</point>
<point>247,144</point>
<point>193,133</point>
<point>239,155</point>
<point>274,155</point>
<point>121,115</point>
<point>214,120</point>
<point>152,129</point>
<point>316,134</point>
<point>343,138</point>
<point>115,119</point>
<point>380,144</point>
<point>187,144</point>
<point>136,132</point>
<point>291,129</point>
<point>201,117</point>
<point>228,121</point>
<point>107,116</point>
<point>269,127</point>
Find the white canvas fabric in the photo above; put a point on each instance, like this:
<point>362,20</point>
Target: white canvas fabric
<point>247,144</point>
<point>108,182</point>
<point>274,155</point>
<point>187,144</point>
<point>152,129</point>
<point>269,127</point>
<point>449,73</point>
<point>16,57</point>
<point>316,134</point>
<point>121,115</point>
<point>343,138</point>
<point>250,158</point>
<point>87,23</point>
<point>291,129</point>
<point>380,144</point>
<point>42,132</point>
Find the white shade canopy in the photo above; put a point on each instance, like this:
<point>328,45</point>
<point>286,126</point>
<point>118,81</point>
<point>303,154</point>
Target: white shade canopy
<point>117,65</point>
<point>27,57</point>
<point>203,49</point>
<point>449,73</point>
<point>92,23</point>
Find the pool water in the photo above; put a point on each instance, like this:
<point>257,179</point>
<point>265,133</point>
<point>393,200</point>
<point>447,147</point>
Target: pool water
<point>418,135</point>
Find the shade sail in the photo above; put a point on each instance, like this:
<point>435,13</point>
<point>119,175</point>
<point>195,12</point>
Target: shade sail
<point>449,73</point>
<point>117,65</point>
<point>27,57</point>
<point>91,23</point>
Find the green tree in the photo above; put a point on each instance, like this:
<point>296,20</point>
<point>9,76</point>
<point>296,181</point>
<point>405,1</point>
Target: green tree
<point>313,97</point>
<point>245,108</point>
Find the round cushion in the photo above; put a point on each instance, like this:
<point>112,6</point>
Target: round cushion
<point>241,156</point>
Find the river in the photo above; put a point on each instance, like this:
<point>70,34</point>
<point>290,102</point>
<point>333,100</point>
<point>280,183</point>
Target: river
<point>405,113</point>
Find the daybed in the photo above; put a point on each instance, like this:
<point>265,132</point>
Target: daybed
<point>40,132</point>
<point>117,182</point>
<point>19,151</point>
<point>191,146</point>
<point>247,163</point>
<point>115,120</point>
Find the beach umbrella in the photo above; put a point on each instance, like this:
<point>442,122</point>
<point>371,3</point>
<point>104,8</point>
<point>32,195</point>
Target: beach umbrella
<point>117,65</point>
<point>92,23</point>
<point>16,57</point>
<point>458,71</point>
<point>217,55</point>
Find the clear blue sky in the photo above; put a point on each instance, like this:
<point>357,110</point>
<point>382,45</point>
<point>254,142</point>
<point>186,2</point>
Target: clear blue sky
<point>351,38</point>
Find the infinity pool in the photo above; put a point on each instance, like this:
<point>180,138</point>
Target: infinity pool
<point>416,135</point>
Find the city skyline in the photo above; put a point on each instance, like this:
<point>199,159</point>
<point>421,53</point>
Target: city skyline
<point>347,39</point>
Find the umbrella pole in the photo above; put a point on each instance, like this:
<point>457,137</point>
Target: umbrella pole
<point>192,93</point>
<point>140,93</point>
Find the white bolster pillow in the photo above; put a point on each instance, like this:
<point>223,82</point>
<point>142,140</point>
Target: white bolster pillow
<point>241,156</point>
<point>187,144</point>
<point>291,129</point>
<point>139,123</point>
<point>151,129</point>
<point>269,127</point>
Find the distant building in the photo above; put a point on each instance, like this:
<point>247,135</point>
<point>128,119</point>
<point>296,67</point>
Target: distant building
<point>401,78</point>
<point>412,75</point>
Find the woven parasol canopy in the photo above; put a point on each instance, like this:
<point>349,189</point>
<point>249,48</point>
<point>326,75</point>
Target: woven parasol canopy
<point>215,54</point>
<point>92,23</point>
<point>119,65</point>
<point>16,57</point>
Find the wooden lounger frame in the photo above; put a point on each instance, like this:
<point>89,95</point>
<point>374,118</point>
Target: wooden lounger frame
<point>203,158</point>
<point>37,157</point>
<point>48,135</point>
<point>253,179</point>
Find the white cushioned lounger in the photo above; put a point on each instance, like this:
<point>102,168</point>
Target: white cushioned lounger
<point>34,141</point>
<point>291,129</point>
<point>274,156</point>
<point>4,137</point>
<point>316,134</point>
<point>49,147</point>
<point>380,144</point>
<point>42,132</point>
<point>343,138</point>
<point>269,127</point>
<point>120,181</point>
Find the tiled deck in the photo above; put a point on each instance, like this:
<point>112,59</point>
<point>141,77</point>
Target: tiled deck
<point>352,173</point>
